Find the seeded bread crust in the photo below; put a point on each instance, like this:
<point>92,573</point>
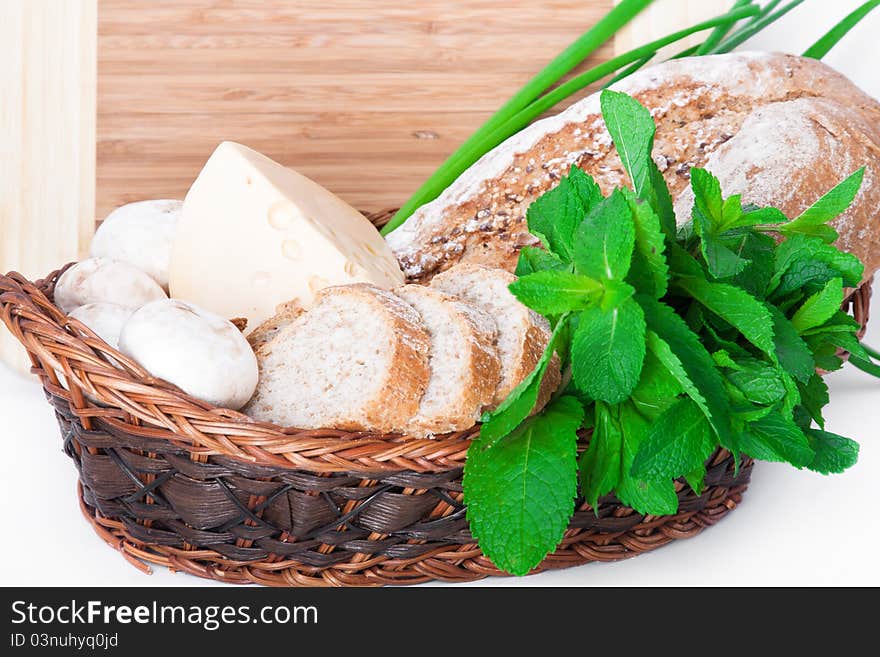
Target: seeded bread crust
<point>781,130</point>
<point>398,393</point>
<point>462,398</point>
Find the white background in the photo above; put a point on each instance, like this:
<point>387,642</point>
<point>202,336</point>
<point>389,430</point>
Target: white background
<point>793,528</point>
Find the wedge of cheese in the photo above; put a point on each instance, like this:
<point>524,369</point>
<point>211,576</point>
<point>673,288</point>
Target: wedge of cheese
<point>254,234</point>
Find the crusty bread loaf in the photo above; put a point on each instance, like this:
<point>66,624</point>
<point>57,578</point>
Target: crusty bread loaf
<point>465,367</point>
<point>358,360</point>
<point>522,333</point>
<point>779,129</point>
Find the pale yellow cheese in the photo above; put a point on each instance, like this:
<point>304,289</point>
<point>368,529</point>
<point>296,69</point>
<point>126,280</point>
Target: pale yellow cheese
<point>254,234</point>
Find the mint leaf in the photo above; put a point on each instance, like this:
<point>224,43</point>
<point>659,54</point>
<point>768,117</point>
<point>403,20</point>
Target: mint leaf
<point>824,352</point>
<point>520,492</point>
<point>708,203</point>
<point>656,498</point>
<point>775,438</point>
<point>606,464</point>
<point>792,352</point>
<point>731,211</point>
<point>721,261</point>
<point>849,342</point>
<point>858,355</point>
<point>616,292</point>
<point>734,215</point>
<point>814,397</point>
<point>553,217</point>
<point>792,398</point>
<point>658,387</point>
<point>697,479</point>
<point>585,187</point>
<point>723,359</point>
<point>632,130</point>
<point>533,259</point>
<point>605,239</point>
<point>757,250</point>
<point>801,260</point>
<point>600,464</point>
<point>678,442</point>
<point>607,351</point>
<point>748,315</point>
<point>695,361</point>
<point>660,200</point>
<point>834,203</point>
<point>820,307</point>
<point>834,453</point>
<point>517,406</point>
<point>661,350</point>
<point>840,322</point>
<point>756,216</point>
<point>650,497</point>
<point>557,292</point>
<point>759,382</point>
<point>649,271</point>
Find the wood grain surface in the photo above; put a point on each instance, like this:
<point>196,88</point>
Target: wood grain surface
<point>365,97</point>
<point>47,139</point>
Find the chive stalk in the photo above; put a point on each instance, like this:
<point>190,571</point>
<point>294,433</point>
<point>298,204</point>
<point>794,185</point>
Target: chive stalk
<point>567,60</point>
<point>873,353</point>
<point>629,70</point>
<point>752,28</point>
<point>821,48</point>
<point>587,78</point>
<point>720,32</point>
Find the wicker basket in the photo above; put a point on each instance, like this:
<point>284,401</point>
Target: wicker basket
<point>167,479</point>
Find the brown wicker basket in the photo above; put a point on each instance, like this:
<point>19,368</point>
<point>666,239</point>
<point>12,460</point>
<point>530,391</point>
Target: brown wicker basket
<point>170,480</point>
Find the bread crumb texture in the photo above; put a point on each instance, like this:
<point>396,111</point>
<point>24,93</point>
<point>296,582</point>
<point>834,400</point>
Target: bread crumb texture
<point>418,360</point>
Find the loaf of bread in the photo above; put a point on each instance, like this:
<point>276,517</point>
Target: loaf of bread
<point>523,334</point>
<point>358,360</point>
<point>781,130</point>
<point>464,362</point>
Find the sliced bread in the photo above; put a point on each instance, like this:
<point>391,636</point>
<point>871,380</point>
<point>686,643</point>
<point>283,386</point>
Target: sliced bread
<point>522,333</point>
<point>358,361</point>
<point>285,313</point>
<point>465,367</point>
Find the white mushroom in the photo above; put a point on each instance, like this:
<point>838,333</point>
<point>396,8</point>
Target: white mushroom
<point>199,352</point>
<point>103,280</point>
<point>105,319</point>
<point>140,234</point>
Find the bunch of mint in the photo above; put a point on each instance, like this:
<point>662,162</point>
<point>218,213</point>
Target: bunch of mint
<point>673,342</point>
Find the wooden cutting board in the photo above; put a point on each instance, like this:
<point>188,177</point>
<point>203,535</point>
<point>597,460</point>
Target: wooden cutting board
<point>367,98</point>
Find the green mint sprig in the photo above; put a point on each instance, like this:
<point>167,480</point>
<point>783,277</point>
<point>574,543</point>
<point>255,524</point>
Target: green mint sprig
<point>673,342</point>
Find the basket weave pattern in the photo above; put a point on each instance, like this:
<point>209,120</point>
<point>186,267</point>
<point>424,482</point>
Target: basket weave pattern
<point>170,480</point>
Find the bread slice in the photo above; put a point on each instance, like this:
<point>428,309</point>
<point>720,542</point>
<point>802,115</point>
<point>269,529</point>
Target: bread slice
<point>358,360</point>
<point>285,313</point>
<point>465,367</point>
<point>522,333</point>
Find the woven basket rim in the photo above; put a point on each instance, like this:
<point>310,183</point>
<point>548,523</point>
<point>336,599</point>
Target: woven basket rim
<point>130,400</point>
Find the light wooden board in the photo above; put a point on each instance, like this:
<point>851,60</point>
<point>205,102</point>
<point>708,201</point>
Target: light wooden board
<point>47,138</point>
<point>367,98</point>
<point>664,17</point>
